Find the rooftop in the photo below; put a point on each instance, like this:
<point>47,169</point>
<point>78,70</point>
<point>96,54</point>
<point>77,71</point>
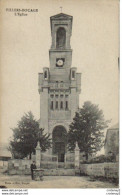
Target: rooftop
<point>116,126</point>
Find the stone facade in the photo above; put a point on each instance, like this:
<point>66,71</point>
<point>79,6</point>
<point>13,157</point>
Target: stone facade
<point>59,85</point>
<point>112,141</point>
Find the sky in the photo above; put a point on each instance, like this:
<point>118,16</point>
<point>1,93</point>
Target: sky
<point>25,44</point>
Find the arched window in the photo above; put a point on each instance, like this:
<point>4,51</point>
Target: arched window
<point>61,38</point>
<point>66,105</point>
<point>56,105</point>
<point>73,74</point>
<point>56,83</point>
<point>61,85</point>
<point>51,105</point>
<point>45,74</point>
<point>61,105</point>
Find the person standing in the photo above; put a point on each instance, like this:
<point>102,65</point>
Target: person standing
<point>33,166</point>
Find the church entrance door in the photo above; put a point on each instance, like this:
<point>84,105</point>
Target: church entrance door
<point>59,142</point>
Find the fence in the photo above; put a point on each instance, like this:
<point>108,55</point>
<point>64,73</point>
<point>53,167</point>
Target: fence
<point>48,161</point>
<point>70,160</point>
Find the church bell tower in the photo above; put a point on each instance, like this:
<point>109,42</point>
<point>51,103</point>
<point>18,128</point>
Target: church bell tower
<point>61,52</point>
<point>59,85</point>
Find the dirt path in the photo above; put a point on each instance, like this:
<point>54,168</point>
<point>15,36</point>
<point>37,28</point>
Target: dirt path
<point>53,182</point>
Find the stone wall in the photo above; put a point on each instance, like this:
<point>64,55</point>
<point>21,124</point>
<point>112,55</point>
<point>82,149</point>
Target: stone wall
<point>19,167</point>
<point>48,165</point>
<point>59,172</point>
<point>108,170</point>
<point>22,167</point>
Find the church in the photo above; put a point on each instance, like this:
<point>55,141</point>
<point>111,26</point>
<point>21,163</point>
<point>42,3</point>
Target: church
<point>59,86</point>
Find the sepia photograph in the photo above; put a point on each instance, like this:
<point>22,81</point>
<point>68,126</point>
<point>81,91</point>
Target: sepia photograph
<point>59,81</point>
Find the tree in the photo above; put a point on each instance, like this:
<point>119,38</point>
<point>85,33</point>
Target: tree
<point>25,137</point>
<point>87,129</point>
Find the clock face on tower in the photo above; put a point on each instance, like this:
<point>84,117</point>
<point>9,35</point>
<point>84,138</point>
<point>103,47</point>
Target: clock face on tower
<point>60,62</point>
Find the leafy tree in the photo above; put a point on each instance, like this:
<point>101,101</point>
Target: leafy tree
<point>25,137</point>
<point>87,129</point>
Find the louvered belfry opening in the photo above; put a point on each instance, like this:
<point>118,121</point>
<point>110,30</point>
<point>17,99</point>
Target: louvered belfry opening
<point>61,38</point>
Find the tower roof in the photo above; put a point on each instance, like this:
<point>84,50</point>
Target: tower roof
<point>60,16</point>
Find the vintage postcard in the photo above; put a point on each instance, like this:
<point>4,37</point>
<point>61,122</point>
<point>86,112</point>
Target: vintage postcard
<point>59,90</point>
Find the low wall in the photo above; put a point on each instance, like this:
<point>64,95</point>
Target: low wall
<point>48,165</point>
<point>108,170</point>
<point>59,172</point>
<point>22,167</point>
<point>19,167</point>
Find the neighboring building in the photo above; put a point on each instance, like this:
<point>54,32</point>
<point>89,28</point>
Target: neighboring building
<point>59,86</point>
<point>112,141</point>
<point>5,155</point>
